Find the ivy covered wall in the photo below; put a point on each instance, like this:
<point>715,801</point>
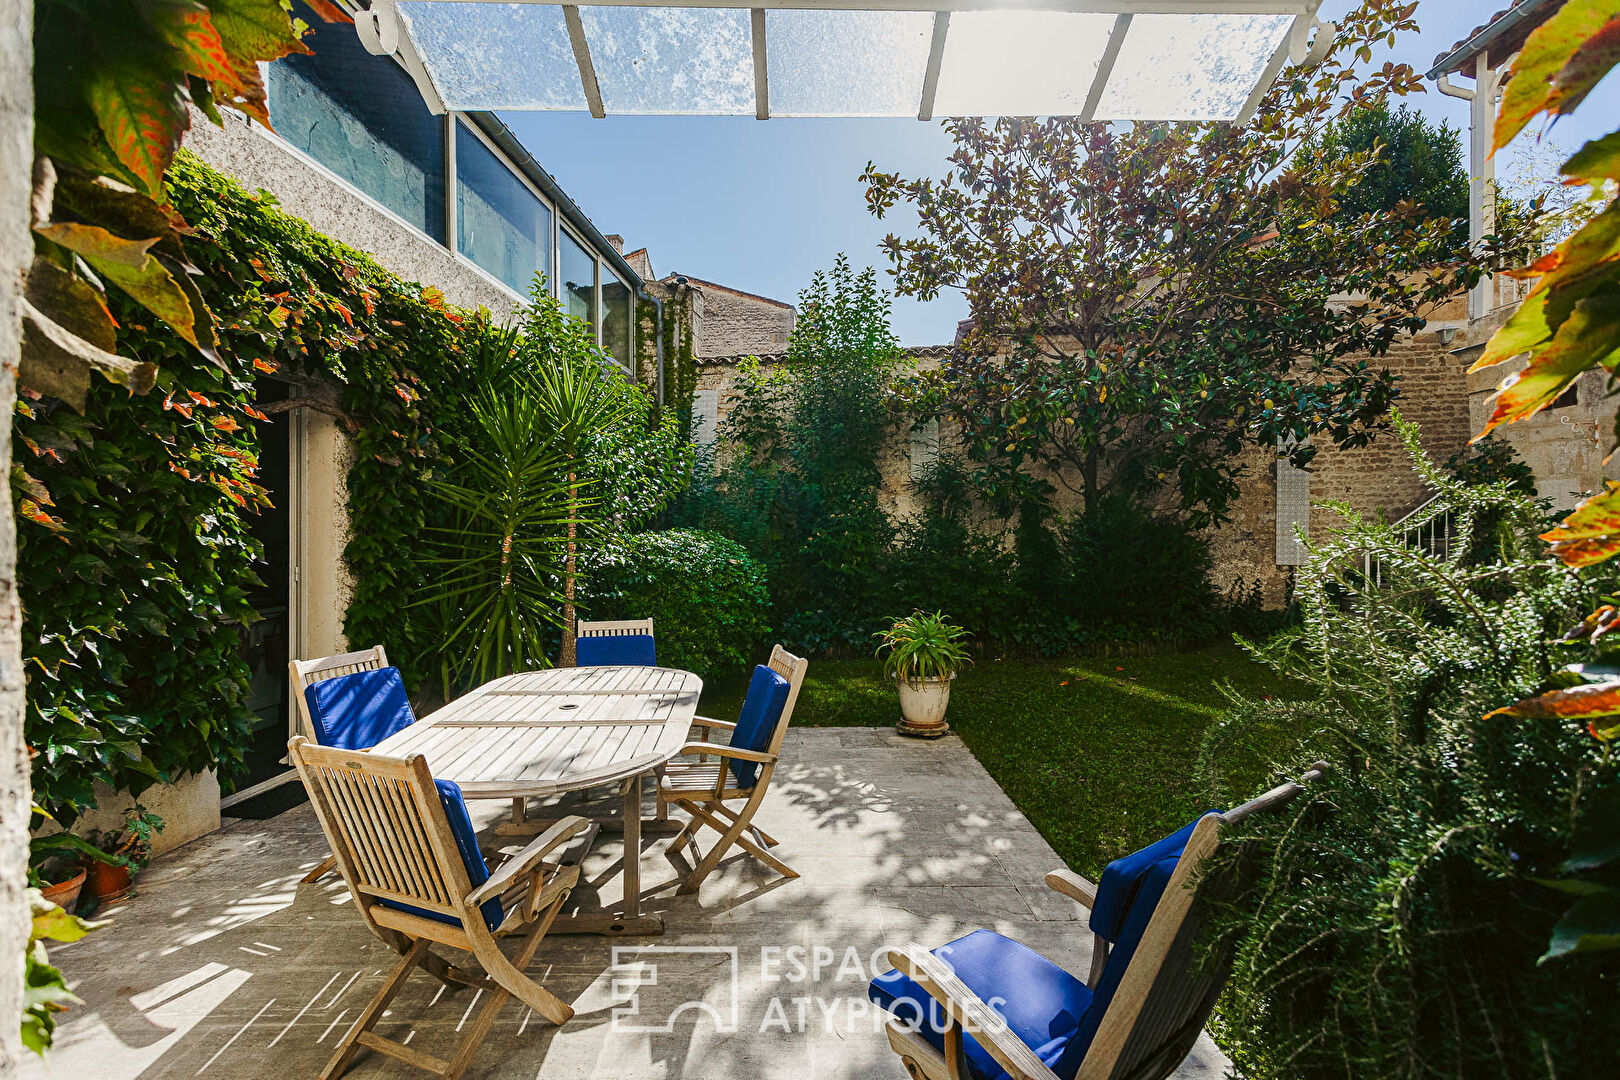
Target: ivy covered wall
<point>135,550</point>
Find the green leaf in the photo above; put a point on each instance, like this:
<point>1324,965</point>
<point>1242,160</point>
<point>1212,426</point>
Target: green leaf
<point>130,265</point>
<point>57,362</point>
<point>1593,60</point>
<point>1548,49</point>
<point>1597,834</point>
<point>1591,925</point>
<point>189,27</point>
<point>1597,160</point>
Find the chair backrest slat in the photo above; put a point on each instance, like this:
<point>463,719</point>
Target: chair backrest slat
<point>614,628</point>
<point>387,826</point>
<point>305,673</point>
<point>791,668</point>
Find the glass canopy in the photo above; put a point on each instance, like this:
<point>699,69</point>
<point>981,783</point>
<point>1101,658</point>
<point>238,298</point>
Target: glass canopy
<point>1097,59</point>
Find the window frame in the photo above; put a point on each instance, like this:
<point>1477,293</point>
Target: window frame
<point>452,185</point>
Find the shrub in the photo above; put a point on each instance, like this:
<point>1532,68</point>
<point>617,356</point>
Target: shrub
<point>1397,926</point>
<point>705,594</point>
<point>1137,573</point>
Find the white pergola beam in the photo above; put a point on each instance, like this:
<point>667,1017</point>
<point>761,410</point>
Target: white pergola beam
<point>1105,66</point>
<point>936,56</point>
<point>582,57</point>
<point>762,82</point>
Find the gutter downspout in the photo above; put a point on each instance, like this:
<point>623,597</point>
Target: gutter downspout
<point>1481,165</point>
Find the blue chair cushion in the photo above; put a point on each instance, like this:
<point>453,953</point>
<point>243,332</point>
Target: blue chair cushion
<point>455,809</point>
<point>356,712</point>
<point>1132,888</point>
<point>635,649</point>
<point>762,708</point>
<point>1042,1004</point>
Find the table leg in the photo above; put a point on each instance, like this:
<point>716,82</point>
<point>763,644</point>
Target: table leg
<point>632,847</point>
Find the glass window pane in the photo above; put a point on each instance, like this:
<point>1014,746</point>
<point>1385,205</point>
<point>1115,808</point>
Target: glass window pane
<point>500,224</point>
<point>672,60</point>
<point>846,63</point>
<point>577,269</point>
<point>362,117</point>
<point>1190,67</point>
<point>1019,63</point>
<point>618,320</point>
<point>495,56</point>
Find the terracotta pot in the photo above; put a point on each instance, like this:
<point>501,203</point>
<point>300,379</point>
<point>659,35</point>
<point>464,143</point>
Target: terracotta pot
<point>65,894</point>
<point>107,882</point>
<point>922,706</point>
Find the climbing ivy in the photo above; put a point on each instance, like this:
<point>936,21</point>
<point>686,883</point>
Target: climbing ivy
<point>135,552</point>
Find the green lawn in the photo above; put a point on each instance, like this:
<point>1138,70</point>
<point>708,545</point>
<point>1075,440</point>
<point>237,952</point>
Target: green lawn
<point>1097,752</point>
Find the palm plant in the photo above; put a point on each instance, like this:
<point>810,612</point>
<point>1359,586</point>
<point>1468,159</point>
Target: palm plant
<point>493,567</point>
<point>578,403</point>
<point>922,646</point>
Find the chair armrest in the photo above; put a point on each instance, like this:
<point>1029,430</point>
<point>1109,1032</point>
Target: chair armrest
<point>524,862</point>
<point>965,1009</point>
<point>705,722</point>
<point>701,748</point>
<point>1073,886</point>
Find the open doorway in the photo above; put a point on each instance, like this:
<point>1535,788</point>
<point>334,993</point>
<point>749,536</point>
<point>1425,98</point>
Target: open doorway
<point>267,644</point>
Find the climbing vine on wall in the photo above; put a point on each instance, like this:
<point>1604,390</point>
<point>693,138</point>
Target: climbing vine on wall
<point>135,546</point>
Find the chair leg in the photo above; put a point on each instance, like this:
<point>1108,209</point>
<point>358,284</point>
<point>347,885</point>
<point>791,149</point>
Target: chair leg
<point>326,866</point>
<point>764,837</point>
<point>349,1045</point>
<point>728,836</point>
<point>766,857</point>
<point>474,1038</point>
<point>510,977</point>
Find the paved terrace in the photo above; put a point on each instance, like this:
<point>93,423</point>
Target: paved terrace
<point>224,967</point>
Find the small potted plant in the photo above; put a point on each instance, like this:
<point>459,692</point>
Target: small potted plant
<point>129,848</point>
<point>922,654</point>
<point>56,865</point>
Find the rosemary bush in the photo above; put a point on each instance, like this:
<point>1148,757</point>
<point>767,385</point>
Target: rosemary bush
<point>1396,926</point>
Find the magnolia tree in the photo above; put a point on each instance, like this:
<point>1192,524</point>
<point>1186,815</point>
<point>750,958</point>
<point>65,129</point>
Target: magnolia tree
<point>1148,299</point>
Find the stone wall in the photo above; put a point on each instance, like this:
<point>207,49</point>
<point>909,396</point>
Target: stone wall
<point>16,152</point>
<point>1373,479</point>
<point>729,323</point>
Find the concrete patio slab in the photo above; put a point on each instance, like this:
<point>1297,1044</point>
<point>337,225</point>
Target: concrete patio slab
<point>225,967</point>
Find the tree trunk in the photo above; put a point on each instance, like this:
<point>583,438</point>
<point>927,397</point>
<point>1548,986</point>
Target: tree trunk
<point>16,158</point>
<point>566,655</point>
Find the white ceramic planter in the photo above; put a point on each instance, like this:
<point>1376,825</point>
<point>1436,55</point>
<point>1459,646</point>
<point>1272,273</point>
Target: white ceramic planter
<point>922,706</point>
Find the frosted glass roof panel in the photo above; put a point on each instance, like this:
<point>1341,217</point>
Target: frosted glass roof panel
<point>496,56</point>
<point>671,60</point>
<point>1190,67</point>
<point>846,63</point>
<point>1019,63</point>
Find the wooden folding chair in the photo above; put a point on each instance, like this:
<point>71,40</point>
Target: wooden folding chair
<point>306,673</point>
<point>406,848</point>
<point>743,772</point>
<point>622,641</point>
<point>1136,1016</point>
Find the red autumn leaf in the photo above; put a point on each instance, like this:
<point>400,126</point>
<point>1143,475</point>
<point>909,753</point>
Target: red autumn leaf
<point>255,413</point>
<point>199,398</point>
<point>348,316</point>
<point>265,366</point>
<point>142,115</point>
<point>178,406</point>
<point>190,29</point>
<point>225,423</point>
<point>1585,702</point>
<point>329,11</point>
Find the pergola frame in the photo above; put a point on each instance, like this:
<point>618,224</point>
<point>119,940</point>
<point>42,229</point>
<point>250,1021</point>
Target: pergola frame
<point>379,31</point>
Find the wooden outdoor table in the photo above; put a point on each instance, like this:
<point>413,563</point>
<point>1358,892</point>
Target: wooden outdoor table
<point>542,733</point>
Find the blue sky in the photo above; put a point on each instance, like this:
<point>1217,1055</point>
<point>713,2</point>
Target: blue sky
<point>761,205</point>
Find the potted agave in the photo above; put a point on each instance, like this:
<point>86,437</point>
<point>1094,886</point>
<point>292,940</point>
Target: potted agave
<point>922,654</point>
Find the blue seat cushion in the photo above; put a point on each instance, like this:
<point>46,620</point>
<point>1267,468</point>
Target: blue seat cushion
<point>637,649</point>
<point>762,708</point>
<point>358,711</point>
<point>455,810</point>
<point>1042,1004</point>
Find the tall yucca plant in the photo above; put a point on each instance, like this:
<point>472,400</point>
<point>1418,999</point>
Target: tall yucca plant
<point>578,402</point>
<point>494,566</point>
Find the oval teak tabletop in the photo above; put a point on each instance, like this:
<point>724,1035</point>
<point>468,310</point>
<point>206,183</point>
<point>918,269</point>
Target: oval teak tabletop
<point>542,732</point>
